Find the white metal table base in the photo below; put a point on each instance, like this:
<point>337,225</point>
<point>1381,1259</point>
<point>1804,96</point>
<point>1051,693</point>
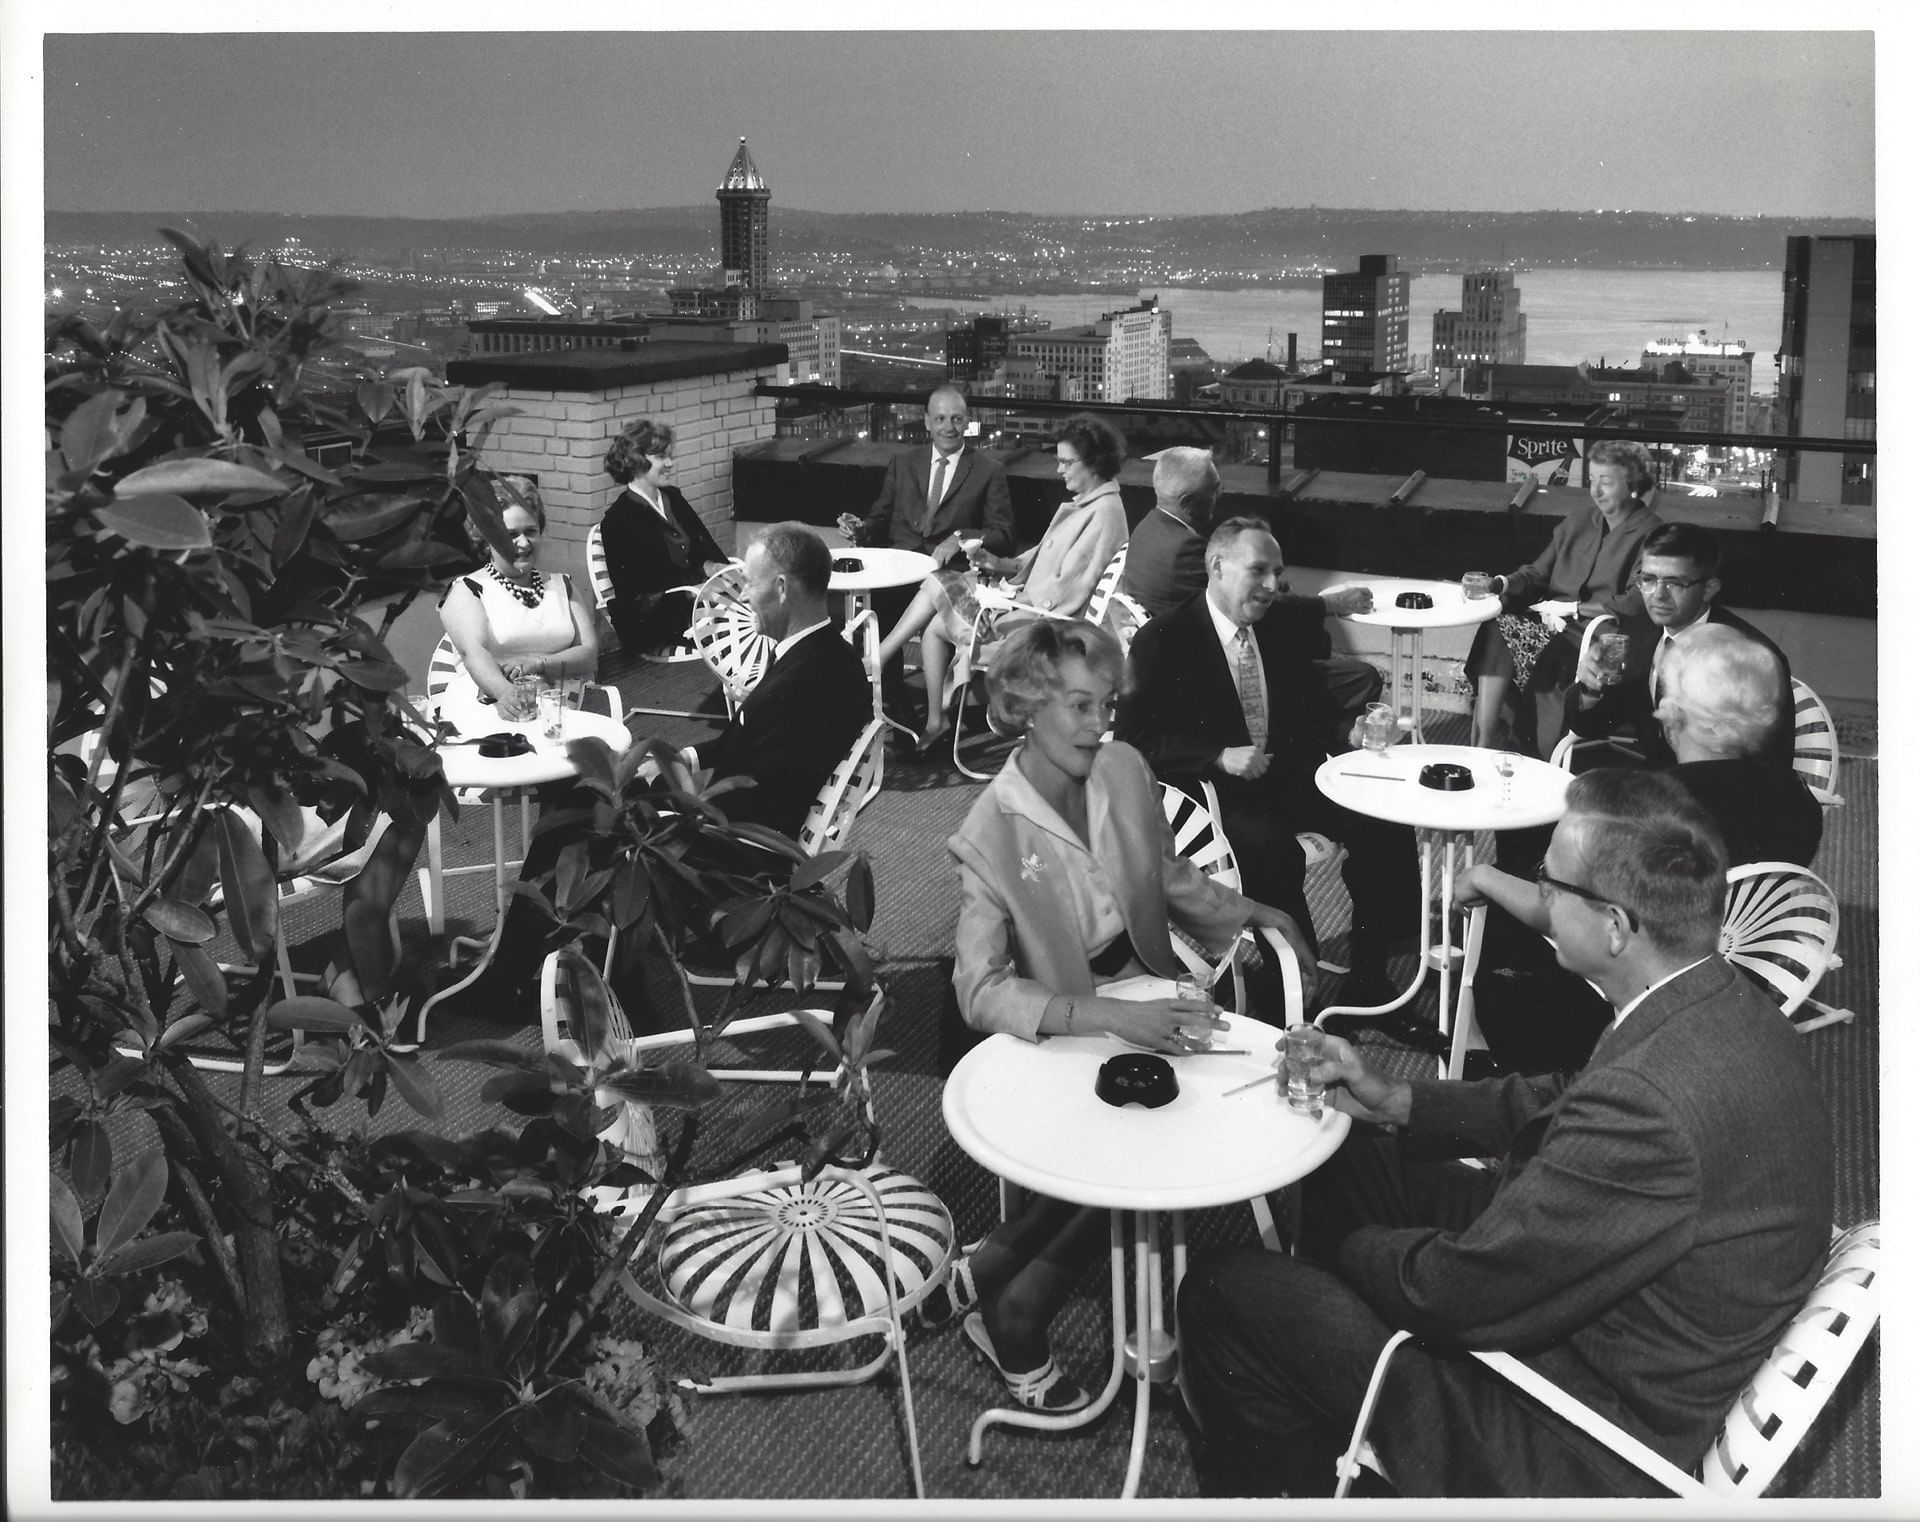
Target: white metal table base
<point>1145,1349</point>
<point>1409,668</point>
<point>1455,850</point>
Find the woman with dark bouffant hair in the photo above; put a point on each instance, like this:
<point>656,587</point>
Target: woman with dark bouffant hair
<point>1056,577</point>
<point>653,540</point>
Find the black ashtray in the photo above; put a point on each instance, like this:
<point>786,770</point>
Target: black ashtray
<point>1413,600</point>
<point>1447,776</point>
<point>1137,1078</point>
<point>848,563</point>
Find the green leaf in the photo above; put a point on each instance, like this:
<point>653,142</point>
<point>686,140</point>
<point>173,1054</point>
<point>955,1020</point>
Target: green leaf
<point>368,515</point>
<point>156,522</point>
<point>136,1194</point>
<point>437,1458</point>
<point>197,476</point>
<point>281,815</point>
<point>69,1238</point>
<point>252,898</point>
<point>676,1085</point>
<point>816,869</point>
<point>96,1299</point>
<point>818,1029</point>
<point>96,430</point>
<point>584,1008</point>
<point>592,757</point>
<point>293,523</point>
<point>859,892</point>
<point>519,1092</point>
<point>314,1012</point>
<point>148,1252</point>
<point>421,554</point>
<point>414,1084</point>
<point>429,1360</point>
<point>180,922</point>
<point>619,1452</point>
<point>91,1159</point>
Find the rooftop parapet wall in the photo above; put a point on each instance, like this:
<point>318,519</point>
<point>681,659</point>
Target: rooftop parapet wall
<point>572,404</point>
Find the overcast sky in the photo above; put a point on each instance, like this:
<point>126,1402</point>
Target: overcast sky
<point>451,124</point>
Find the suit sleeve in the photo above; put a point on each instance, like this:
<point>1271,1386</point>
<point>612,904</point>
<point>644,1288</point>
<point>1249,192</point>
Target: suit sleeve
<point>996,529</point>
<point>1149,719</point>
<point>1533,581</point>
<point>879,520</point>
<point>1609,1203</point>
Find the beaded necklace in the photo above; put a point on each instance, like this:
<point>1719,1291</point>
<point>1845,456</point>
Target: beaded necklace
<point>526,596</point>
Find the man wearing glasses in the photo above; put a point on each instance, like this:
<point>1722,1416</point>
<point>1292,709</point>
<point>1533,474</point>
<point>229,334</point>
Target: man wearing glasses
<point>1649,1230</point>
<point>1678,578</point>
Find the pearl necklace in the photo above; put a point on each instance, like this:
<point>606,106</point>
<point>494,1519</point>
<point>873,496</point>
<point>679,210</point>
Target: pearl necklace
<point>527,596</point>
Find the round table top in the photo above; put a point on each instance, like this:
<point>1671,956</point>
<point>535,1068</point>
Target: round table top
<point>880,568</point>
<point>1451,606</point>
<point>1027,1111</point>
<point>1385,785</point>
<point>547,762</point>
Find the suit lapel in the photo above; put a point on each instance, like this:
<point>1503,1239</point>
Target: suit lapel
<point>1210,660</point>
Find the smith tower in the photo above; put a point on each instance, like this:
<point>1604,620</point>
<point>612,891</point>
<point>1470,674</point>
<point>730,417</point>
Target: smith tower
<point>743,198</point>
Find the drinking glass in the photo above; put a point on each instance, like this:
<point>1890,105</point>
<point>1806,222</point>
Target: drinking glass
<point>1503,768</point>
<point>1610,655</point>
<point>526,697</point>
<point>1379,728</point>
<point>1191,986</point>
<point>552,703</point>
<point>1304,1045</point>
<point>1476,584</point>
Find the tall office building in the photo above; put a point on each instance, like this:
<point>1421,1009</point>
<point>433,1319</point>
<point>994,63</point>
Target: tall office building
<point>1364,315</point>
<point>743,198</point>
<point>1826,360</point>
<point>1123,355</point>
<point>1729,362</point>
<point>1489,328</point>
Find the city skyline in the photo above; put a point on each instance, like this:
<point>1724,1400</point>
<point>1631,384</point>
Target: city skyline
<point>482,124</point>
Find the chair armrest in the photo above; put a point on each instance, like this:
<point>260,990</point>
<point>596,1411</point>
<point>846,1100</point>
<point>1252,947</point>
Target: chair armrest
<point>1292,985</point>
<point>1591,1422</point>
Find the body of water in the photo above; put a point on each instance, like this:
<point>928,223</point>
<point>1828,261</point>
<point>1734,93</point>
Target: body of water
<point>1572,315</point>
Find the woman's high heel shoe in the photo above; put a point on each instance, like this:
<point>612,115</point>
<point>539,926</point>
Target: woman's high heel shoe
<point>954,1295</point>
<point>1045,1389</point>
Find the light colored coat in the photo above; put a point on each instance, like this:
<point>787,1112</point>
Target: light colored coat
<point>1019,941</point>
<point>1059,573</point>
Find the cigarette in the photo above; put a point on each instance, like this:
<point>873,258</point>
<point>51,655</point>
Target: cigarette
<point>1253,1084</point>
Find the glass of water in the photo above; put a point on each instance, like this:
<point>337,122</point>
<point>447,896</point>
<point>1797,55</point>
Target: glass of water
<point>1610,655</point>
<point>1305,1044</point>
<point>1476,584</point>
<point>1380,727</point>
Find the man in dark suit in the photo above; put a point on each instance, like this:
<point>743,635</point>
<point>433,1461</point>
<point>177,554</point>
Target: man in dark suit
<point>1653,1225</point>
<point>1678,577</point>
<point>1257,724</point>
<point>932,496</point>
<point>1167,564</point>
<point>804,714</point>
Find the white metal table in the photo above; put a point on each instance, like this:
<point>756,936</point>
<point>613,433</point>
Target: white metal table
<point>465,767</point>
<point>880,568</point>
<point>1028,1112</point>
<point>1451,609</point>
<point>1385,785</point>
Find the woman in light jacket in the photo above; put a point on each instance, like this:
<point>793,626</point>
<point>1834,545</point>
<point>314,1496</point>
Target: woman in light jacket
<point>1057,576</point>
<point>1068,878</point>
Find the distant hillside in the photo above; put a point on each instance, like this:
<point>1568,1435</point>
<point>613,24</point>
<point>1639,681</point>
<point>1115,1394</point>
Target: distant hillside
<point>1272,239</point>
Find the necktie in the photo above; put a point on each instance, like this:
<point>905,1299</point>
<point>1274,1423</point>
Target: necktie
<point>1247,677</point>
<point>939,487</point>
<point>1653,666</point>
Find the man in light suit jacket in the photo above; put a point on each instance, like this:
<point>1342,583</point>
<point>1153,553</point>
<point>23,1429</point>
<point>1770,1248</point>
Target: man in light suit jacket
<point>1653,1225</point>
<point>973,499</point>
<point>1678,577</point>
<point>1185,714</point>
<point>1167,565</point>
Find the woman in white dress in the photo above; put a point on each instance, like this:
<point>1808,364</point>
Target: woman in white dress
<point>509,621</point>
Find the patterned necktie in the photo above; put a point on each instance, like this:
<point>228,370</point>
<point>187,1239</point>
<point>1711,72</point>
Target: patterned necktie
<point>939,487</point>
<point>1247,677</point>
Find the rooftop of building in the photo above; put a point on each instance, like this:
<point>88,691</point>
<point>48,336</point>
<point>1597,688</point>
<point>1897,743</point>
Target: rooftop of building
<point>600,369</point>
<point>742,174</point>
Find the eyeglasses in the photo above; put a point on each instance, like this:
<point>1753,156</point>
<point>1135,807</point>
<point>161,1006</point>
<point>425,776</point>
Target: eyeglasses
<point>1666,583</point>
<point>1547,880</point>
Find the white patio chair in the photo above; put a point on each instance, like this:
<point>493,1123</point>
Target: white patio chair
<point>768,1260</point>
<point>1816,745</point>
<point>1570,743</point>
<point>1781,924</point>
<point>727,634</point>
<point>1766,1421</point>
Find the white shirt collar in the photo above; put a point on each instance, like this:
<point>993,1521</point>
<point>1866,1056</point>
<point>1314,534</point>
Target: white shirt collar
<point>1634,1003</point>
<point>1699,618</point>
<point>793,639</point>
<point>1225,627</point>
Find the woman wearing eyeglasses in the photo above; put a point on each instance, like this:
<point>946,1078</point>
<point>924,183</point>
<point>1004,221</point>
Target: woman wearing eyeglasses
<point>1590,561</point>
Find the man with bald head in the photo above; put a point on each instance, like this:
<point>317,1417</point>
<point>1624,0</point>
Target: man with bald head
<point>934,494</point>
<point>1167,565</point>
